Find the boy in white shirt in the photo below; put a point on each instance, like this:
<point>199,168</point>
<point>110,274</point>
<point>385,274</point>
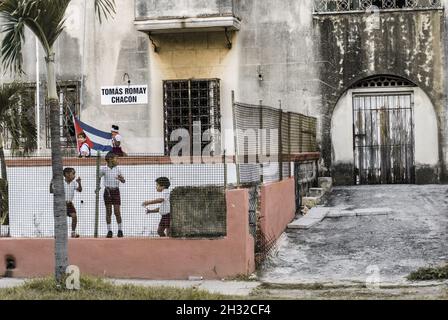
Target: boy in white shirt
<point>162,186</point>
<point>112,179</point>
<point>70,186</point>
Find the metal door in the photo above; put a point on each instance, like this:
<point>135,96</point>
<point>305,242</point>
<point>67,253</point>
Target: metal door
<point>383,138</point>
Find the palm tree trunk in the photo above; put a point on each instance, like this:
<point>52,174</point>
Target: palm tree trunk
<point>59,207</point>
<point>4,196</point>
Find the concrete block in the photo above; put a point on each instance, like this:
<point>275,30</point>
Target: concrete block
<point>303,223</point>
<point>340,213</point>
<point>314,216</point>
<point>373,211</point>
<point>325,183</point>
<point>317,192</point>
<point>318,213</point>
<point>310,202</point>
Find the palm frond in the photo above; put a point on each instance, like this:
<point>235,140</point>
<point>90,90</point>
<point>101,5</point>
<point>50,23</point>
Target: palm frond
<point>14,36</point>
<point>45,18</point>
<point>104,9</point>
<point>17,117</point>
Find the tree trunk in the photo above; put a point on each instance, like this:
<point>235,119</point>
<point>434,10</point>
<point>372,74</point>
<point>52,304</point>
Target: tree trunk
<point>59,206</point>
<point>4,195</point>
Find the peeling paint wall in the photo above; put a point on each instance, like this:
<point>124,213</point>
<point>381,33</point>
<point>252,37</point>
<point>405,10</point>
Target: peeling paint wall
<point>408,44</point>
<point>277,39</point>
<point>307,61</point>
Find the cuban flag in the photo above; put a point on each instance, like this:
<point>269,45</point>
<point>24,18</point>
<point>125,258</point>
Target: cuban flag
<point>96,139</point>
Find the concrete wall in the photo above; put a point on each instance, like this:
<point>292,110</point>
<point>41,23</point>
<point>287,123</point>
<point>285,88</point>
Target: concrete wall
<point>277,39</point>
<point>407,44</point>
<point>426,152</point>
<point>97,55</point>
<point>306,60</point>
<point>146,258</point>
<point>278,207</point>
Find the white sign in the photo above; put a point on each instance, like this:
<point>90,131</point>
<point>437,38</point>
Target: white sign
<point>114,95</point>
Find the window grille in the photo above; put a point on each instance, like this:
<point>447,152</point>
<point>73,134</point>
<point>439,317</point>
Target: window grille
<point>187,102</point>
<point>383,81</point>
<point>69,102</point>
<point>354,5</point>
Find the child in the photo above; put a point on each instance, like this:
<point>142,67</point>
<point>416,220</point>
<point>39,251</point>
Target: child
<point>112,178</point>
<point>116,141</point>
<point>84,150</point>
<point>162,186</point>
<point>70,185</point>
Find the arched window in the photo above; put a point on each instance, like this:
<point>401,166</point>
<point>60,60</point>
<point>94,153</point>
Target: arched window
<point>383,81</point>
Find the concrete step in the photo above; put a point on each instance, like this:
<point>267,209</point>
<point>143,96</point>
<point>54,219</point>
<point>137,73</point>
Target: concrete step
<point>373,211</point>
<point>325,183</point>
<point>314,216</point>
<point>318,213</point>
<point>317,192</point>
<point>340,213</point>
<point>311,202</point>
<point>303,223</point>
<point>335,213</point>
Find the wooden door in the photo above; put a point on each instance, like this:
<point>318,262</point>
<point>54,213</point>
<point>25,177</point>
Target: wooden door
<point>383,138</point>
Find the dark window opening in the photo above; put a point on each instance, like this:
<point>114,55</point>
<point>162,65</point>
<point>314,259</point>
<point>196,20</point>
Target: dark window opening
<point>27,110</point>
<point>69,102</point>
<point>187,102</point>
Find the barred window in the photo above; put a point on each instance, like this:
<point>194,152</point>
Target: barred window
<point>69,102</point>
<point>189,101</point>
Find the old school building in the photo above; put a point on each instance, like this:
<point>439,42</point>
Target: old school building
<point>372,72</point>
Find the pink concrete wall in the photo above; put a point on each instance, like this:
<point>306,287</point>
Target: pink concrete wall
<point>146,258</point>
<point>278,207</point>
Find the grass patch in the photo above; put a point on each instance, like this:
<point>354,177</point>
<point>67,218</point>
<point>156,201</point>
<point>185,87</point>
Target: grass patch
<point>99,289</point>
<point>430,273</point>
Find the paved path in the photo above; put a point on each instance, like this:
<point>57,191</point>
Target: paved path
<point>234,288</point>
<point>356,248</point>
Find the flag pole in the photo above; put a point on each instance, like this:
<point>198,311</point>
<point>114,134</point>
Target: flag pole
<point>97,193</point>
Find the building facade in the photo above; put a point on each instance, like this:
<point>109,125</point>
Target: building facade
<point>371,71</point>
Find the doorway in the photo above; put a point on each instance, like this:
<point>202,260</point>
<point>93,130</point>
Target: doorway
<point>383,138</point>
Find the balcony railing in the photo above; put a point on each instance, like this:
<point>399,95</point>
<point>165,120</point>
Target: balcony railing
<point>325,6</point>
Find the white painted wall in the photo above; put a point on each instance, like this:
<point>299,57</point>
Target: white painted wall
<point>425,127</point>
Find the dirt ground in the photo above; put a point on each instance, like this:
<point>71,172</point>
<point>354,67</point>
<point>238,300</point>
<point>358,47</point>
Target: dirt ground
<point>368,250</point>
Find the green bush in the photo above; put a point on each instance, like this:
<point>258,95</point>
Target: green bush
<point>430,273</point>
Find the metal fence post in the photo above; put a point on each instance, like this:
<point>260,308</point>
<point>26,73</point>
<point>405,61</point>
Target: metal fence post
<point>225,170</point>
<point>280,142</point>
<point>291,170</point>
<point>260,136</point>
<point>235,140</point>
<point>97,193</point>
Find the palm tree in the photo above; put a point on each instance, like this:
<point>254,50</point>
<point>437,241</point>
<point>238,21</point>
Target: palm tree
<point>17,121</point>
<point>45,18</point>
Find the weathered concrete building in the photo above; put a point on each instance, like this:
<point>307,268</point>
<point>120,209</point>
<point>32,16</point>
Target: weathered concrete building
<point>373,72</point>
